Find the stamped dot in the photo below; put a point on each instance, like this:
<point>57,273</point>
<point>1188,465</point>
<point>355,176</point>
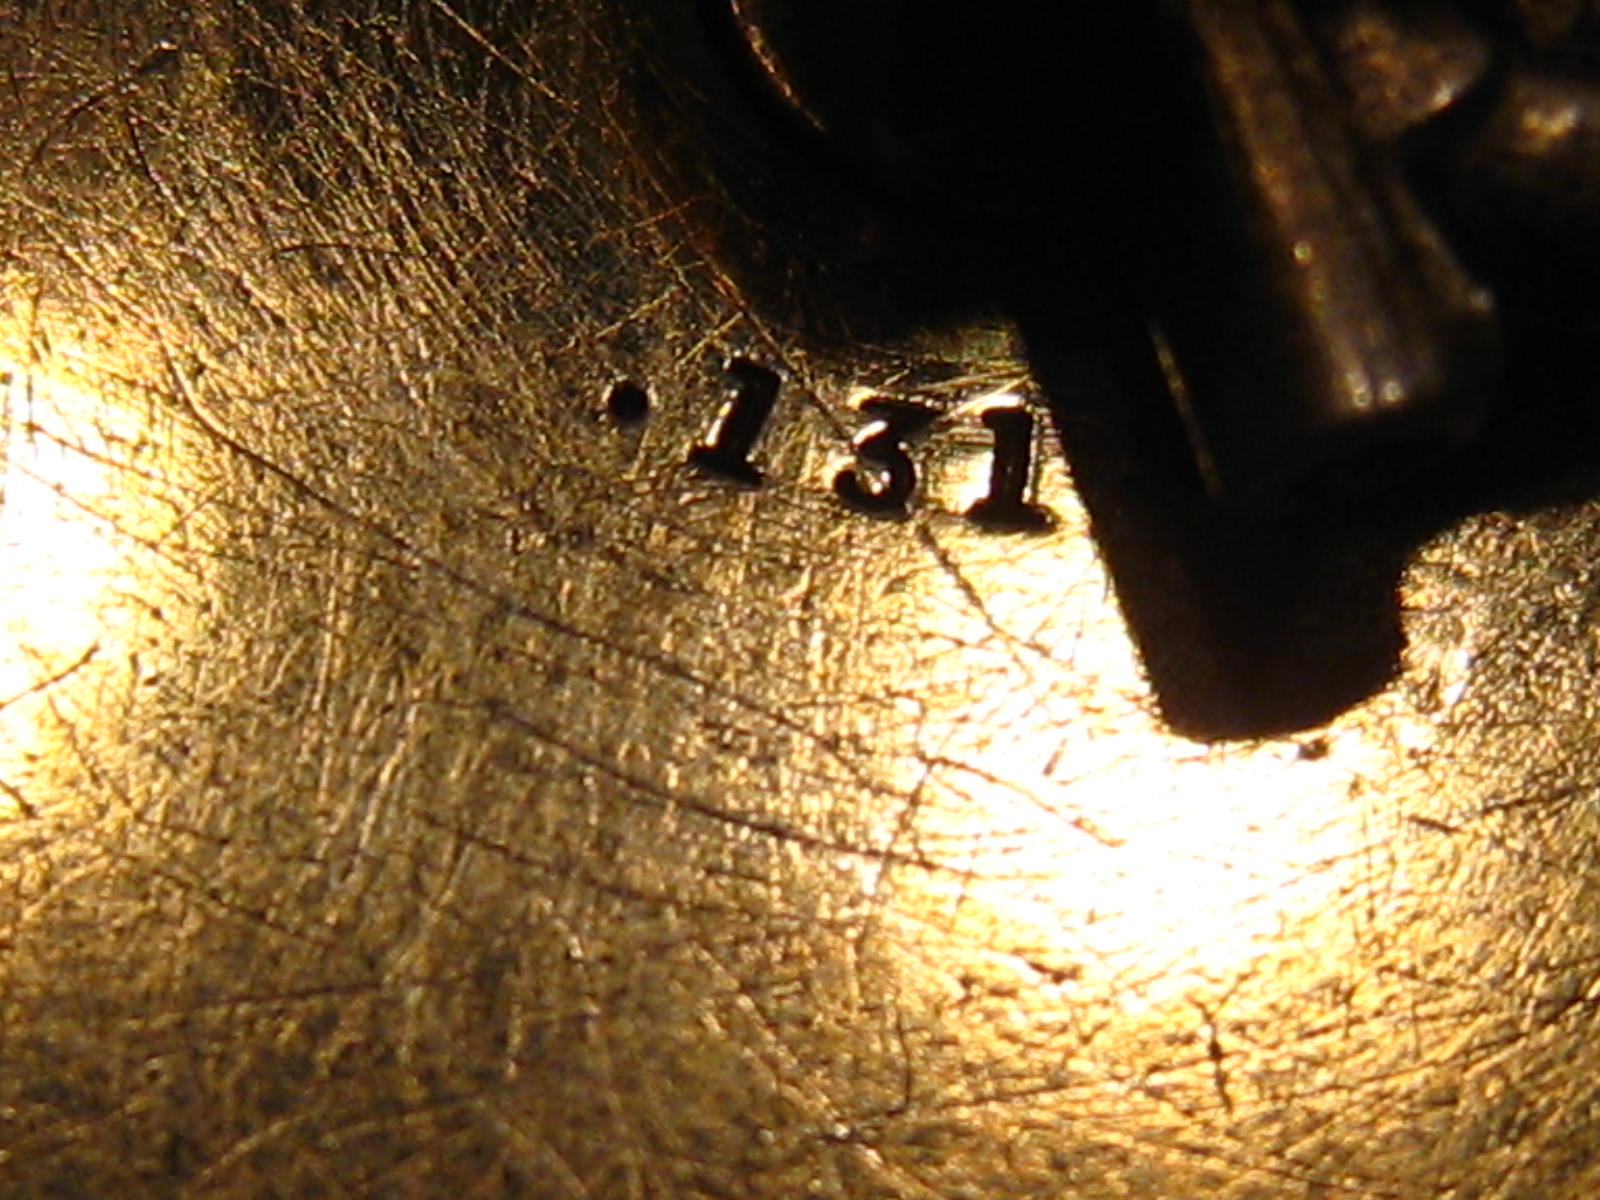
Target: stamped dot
<point>628,403</point>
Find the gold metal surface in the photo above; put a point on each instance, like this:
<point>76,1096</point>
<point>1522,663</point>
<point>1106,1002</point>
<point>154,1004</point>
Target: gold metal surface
<point>415,786</point>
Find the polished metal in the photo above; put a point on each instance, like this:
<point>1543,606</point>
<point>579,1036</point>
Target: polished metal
<point>420,776</point>
<point>1367,337</point>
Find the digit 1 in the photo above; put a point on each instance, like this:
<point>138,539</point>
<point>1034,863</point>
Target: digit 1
<point>1010,473</point>
<point>726,451</point>
<point>886,489</point>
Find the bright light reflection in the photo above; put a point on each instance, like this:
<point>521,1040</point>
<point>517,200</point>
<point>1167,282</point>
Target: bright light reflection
<point>1085,842</point>
<point>59,560</point>
<point>1142,869</point>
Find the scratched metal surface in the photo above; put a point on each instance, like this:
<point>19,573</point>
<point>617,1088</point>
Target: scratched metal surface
<point>416,786</point>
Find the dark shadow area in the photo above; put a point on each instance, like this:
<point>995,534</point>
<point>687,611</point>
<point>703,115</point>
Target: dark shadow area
<point>1279,620</point>
<point>1247,626</point>
<point>912,165</point>
<point>940,163</point>
<point>1018,157</point>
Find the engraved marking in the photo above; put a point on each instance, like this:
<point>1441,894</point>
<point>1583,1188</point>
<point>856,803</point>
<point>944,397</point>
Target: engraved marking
<point>726,450</point>
<point>885,486</point>
<point>1005,508</point>
<point>628,403</point>
<point>883,480</point>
